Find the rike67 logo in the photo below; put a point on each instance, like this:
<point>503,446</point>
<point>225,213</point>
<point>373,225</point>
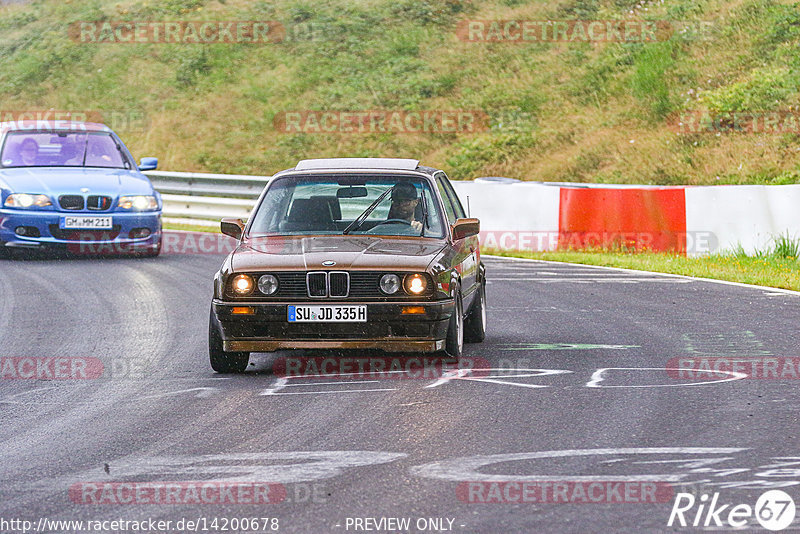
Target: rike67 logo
<point>774,510</point>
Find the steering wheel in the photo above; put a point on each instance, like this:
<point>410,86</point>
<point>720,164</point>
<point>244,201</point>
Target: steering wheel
<point>393,221</point>
<point>408,230</point>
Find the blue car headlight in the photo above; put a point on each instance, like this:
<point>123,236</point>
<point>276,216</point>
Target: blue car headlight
<point>138,203</point>
<point>25,200</point>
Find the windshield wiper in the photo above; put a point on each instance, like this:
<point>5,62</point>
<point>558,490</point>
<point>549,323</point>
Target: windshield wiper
<point>361,218</point>
<point>85,150</point>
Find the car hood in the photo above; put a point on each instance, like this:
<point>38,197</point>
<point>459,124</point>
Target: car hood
<point>55,181</point>
<point>349,252</point>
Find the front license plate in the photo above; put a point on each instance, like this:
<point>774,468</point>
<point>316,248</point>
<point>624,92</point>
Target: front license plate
<point>86,223</point>
<point>327,314</point>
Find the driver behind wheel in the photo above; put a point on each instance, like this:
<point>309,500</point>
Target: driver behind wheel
<point>404,203</point>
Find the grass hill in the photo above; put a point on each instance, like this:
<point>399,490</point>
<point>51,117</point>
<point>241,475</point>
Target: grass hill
<point>558,111</point>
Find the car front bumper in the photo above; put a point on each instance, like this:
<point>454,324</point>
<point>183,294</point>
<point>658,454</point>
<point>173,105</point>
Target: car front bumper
<point>87,241</point>
<point>267,328</point>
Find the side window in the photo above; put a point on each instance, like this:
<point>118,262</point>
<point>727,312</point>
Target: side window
<point>448,205</point>
<point>457,207</point>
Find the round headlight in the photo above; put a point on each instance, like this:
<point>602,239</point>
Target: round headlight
<point>268,284</point>
<point>390,284</point>
<point>25,201</point>
<point>242,284</point>
<point>141,203</point>
<point>415,284</point>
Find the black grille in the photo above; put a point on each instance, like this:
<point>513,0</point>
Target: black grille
<point>339,284</point>
<point>98,203</point>
<point>85,235</point>
<point>363,285</point>
<point>71,202</point>
<point>366,285</point>
<point>292,285</point>
<point>317,285</point>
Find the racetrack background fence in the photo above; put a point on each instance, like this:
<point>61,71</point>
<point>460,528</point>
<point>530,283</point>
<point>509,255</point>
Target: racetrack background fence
<point>542,216</point>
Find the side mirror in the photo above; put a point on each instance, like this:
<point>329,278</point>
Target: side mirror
<point>465,228</point>
<point>232,227</point>
<point>148,164</point>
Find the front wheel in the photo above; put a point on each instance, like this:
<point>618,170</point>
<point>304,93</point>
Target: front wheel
<point>475,325</point>
<point>150,252</point>
<point>454,345</point>
<point>221,361</point>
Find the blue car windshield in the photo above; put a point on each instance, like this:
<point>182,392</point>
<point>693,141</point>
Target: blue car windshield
<point>354,205</point>
<point>63,149</point>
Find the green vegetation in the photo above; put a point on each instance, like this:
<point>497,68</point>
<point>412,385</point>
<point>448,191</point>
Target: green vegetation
<point>558,111</point>
<point>211,227</point>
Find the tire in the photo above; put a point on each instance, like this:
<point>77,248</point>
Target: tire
<point>475,324</point>
<point>151,252</point>
<point>454,345</point>
<point>221,361</point>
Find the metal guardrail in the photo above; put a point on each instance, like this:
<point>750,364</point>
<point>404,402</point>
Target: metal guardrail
<point>203,196</point>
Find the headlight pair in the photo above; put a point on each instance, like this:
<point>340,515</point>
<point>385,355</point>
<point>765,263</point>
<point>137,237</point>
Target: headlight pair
<point>24,200</point>
<point>244,284</point>
<point>138,203</point>
<point>413,284</point>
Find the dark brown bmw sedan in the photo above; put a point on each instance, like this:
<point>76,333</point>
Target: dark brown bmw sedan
<point>350,254</point>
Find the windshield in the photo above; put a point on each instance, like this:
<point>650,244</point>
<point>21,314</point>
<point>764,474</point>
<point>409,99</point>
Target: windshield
<point>62,149</point>
<point>348,205</point>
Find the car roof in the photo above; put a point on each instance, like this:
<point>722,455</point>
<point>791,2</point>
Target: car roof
<point>357,165</point>
<point>50,125</point>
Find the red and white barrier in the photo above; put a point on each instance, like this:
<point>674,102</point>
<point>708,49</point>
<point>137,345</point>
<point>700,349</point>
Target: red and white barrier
<point>541,217</point>
<point>685,219</point>
<point>747,215</point>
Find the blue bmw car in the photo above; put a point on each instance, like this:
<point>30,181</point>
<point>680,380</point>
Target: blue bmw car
<point>75,186</point>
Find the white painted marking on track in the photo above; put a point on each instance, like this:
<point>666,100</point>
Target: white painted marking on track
<point>283,383</point>
<point>563,346</point>
<point>461,374</point>
<point>278,385</point>
<point>330,392</point>
<point>469,468</point>
<point>274,467</point>
<point>334,383</point>
<point>201,393</point>
<point>598,376</point>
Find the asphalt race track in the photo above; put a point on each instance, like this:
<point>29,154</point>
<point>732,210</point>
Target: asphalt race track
<point>572,386</point>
